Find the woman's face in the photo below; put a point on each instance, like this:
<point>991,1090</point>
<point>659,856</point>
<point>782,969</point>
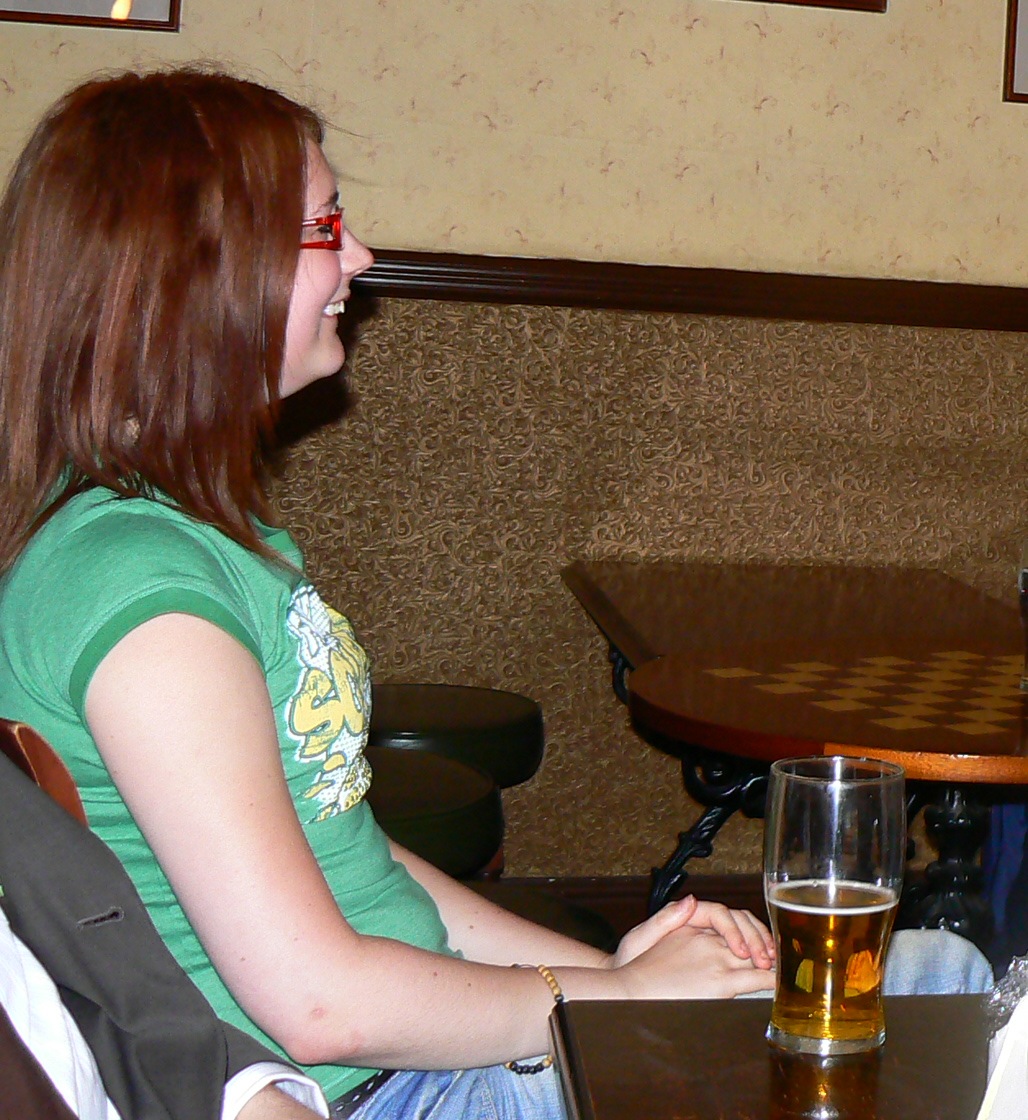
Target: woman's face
<point>320,289</point>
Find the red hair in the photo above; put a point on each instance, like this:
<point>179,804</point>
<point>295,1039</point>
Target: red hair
<point>149,237</point>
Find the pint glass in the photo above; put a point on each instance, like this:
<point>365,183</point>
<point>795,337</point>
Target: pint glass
<point>834,848</point>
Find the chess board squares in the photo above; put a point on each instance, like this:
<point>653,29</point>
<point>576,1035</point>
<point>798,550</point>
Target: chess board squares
<point>799,676</point>
<point>985,715</point>
<point>796,682</point>
<point>881,672</point>
<point>915,710</point>
<point>784,688</point>
<point>923,696</point>
<point>975,727</point>
<point>854,693</point>
<point>970,722</point>
<point>993,697</point>
<point>942,678</point>
<point>842,704</point>
<point>865,680</point>
<point>1007,690</point>
<point>902,723</point>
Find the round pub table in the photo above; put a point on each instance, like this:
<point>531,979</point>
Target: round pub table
<point>729,666</point>
<point>951,713</point>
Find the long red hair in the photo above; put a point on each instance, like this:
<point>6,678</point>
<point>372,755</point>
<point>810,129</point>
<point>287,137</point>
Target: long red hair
<point>149,237</point>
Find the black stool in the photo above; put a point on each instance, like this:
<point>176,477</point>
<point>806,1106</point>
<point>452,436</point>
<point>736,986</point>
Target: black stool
<point>500,733</point>
<point>447,813</point>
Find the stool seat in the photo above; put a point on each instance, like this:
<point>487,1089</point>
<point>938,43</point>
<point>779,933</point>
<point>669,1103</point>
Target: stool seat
<point>442,810</point>
<point>493,730</point>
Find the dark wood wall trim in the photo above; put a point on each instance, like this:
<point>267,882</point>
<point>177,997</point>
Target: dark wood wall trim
<point>699,291</point>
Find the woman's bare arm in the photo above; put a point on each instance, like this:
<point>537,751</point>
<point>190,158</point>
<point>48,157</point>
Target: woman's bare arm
<point>181,715</point>
<point>485,932</point>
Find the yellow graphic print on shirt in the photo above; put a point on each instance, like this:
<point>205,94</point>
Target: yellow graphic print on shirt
<point>328,713</point>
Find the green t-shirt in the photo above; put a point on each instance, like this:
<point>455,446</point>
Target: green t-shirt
<point>104,565</point>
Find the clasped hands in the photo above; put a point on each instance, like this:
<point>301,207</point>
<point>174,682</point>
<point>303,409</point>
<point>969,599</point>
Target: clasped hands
<point>696,950</point>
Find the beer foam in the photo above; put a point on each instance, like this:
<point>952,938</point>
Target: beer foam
<point>832,903</point>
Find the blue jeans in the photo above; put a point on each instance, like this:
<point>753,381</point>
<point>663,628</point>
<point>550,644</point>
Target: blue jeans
<point>919,962</point>
<point>925,962</point>
<point>493,1093</point>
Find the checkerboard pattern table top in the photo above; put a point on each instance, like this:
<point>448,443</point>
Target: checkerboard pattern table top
<point>767,661</point>
<point>948,714</point>
<point>967,693</point>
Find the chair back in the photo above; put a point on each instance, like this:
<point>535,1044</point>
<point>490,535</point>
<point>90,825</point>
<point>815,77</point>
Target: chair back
<point>30,752</point>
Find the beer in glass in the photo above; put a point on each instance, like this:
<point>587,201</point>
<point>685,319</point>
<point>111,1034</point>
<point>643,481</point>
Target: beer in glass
<point>835,841</point>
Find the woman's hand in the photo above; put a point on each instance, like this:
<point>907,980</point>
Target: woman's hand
<point>691,962</point>
<point>745,934</point>
<point>746,938</point>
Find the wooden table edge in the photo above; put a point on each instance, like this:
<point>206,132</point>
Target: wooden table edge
<point>574,1080</point>
<point>618,631</point>
<point>927,766</point>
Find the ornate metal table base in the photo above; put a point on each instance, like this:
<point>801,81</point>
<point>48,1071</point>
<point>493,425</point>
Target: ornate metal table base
<point>948,894</point>
<point>725,785</point>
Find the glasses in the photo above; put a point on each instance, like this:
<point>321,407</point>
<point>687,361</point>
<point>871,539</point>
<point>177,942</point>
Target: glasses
<point>326,232</point>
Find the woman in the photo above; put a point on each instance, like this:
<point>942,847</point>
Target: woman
<point>174,261</point>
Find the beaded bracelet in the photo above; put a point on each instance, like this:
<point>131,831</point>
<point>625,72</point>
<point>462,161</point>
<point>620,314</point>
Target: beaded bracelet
<point>558,997</point>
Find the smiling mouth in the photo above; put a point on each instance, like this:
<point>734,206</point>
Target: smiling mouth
<point>336,308</point>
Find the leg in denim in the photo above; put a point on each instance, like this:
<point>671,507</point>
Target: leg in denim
<point>493,1093</point>
<point>934,962</point>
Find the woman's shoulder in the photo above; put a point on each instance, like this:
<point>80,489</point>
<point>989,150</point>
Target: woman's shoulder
<point>101,548</point>
<point>103,564</point>
<point>101,529</point>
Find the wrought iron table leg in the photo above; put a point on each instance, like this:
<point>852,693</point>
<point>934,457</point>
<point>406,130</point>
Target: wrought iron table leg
<point>725,785</point>
<point>722,783</point>
<point>951,892</point>
<point>618,673</point>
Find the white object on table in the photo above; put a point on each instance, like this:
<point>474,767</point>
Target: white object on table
<point>1006,1095</point>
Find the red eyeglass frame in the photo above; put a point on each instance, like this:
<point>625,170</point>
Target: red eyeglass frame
<point>335,222</point>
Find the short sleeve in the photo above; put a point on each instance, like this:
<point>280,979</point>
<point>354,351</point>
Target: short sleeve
<point>82,589</point>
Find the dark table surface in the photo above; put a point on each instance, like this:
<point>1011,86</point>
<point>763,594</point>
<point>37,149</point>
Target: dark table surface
<point>766,661</point>
<point>709,1060</point>
<point>656,607</point>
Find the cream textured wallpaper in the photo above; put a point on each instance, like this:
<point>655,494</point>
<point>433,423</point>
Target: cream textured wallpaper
<point>685,132</point>
<point>485,448</point>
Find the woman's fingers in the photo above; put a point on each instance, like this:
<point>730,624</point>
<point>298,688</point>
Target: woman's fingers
<point>744,934</point>
<point>645,935</point>
<point>695,963</point>
<point>745,938</point>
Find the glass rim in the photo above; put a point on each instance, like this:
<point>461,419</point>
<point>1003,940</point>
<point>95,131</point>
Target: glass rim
<point>837,768</point>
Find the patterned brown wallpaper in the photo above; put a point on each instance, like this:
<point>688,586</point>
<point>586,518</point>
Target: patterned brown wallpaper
<point>483,448</point>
